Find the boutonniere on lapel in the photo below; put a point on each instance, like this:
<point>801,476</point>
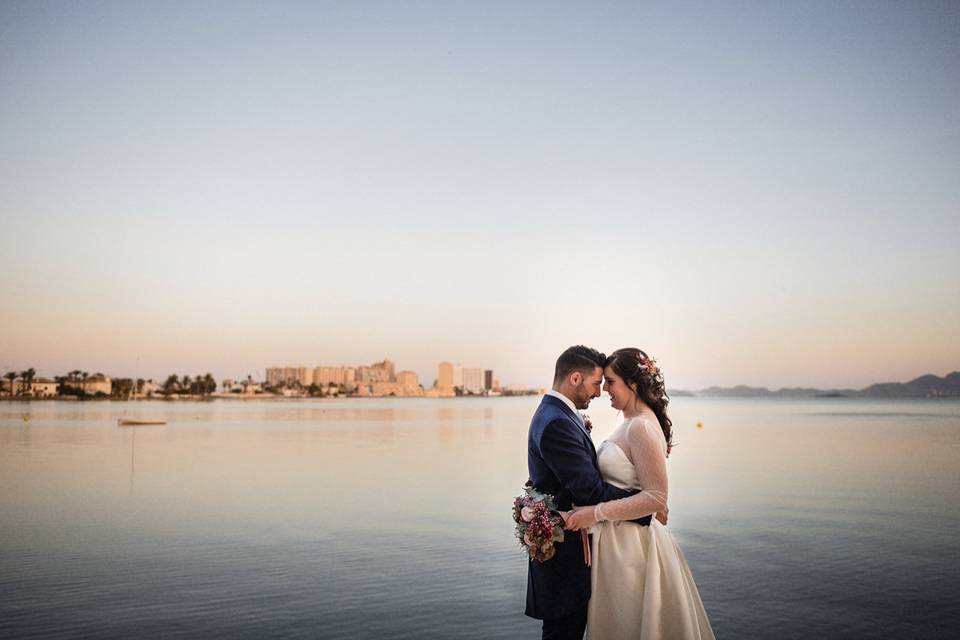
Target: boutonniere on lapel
<point>586,422</point>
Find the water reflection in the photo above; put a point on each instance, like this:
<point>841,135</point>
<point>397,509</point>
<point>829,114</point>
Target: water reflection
<point>294,516</point>
<point>133,448</point>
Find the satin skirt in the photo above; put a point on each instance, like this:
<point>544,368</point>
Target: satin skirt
<point>642,586</point>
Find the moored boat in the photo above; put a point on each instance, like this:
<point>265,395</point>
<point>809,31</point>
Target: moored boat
<point>131,422</point>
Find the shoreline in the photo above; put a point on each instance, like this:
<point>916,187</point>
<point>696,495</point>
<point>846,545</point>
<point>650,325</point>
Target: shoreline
<point>234,398</point>
<point>270,398</point>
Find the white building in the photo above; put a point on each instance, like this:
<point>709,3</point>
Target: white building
<point>289,375</point>
<point>445,376</point>
<point>408,381</point>
<point>324,376</point>
<point>150,388</point>
<point>304,376</point>
<point>43,388</point>
<point>473,379</point>
<point>467,379</point>
<point>377,372</point>
<point>246,387</point>
<point>97,383</point>
<point>458,376</point>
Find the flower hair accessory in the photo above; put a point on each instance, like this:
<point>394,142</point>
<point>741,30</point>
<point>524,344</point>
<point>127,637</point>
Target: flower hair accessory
<point>650,366</point>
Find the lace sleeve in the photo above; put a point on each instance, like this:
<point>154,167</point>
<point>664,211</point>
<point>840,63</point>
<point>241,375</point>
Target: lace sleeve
<point>648,451</point>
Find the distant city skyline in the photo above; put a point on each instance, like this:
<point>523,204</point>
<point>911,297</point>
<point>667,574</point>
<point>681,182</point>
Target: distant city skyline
<point>755,194</point>
<point>338,375</point>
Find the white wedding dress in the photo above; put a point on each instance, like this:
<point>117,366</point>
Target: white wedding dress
<point>642,586</point>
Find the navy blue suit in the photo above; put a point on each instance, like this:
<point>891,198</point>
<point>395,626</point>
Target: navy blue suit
<point>563,462</point>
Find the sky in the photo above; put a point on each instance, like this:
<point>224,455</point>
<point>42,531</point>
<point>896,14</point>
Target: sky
<point>753,193</point>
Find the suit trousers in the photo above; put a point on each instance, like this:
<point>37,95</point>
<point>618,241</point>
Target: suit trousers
<point>569,627</point>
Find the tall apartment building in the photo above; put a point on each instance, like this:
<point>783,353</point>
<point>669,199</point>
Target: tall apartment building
<point>473,378</point>
<point>469,379</point>
<point>458,376</point>
<point>408,381</point>
<point>289,375</point>
<point>377,372</point>
<point>449,376</point>
<point>305,376</point>
<point>445,376</point>
<point>340,376</point>
<point>275,376</point>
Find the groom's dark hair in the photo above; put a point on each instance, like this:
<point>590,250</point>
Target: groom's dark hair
<point>578,358</point>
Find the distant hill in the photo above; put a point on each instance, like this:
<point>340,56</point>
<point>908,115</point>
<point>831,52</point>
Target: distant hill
<point>928,386</point>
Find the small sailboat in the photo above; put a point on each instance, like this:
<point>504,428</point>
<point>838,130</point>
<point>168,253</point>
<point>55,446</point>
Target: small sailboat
<point>133,422</point>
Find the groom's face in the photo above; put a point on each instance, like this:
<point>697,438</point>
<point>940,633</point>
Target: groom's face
<point>588,389</point>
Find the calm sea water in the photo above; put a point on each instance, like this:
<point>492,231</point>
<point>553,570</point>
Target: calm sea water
<point>390,518</point>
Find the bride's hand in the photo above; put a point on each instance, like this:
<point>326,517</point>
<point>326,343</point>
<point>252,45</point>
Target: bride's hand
<point>662,517</point>
<point>579,518</point>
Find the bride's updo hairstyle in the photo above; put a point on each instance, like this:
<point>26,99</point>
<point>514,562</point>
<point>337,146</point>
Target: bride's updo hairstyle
<point>641,373</point>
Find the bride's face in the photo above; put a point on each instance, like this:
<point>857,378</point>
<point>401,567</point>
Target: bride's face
<point>620,394</point>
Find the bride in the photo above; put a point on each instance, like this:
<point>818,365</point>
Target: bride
<point>642,586</point>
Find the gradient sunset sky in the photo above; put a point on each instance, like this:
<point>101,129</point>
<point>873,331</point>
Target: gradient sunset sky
<point>753,193</point>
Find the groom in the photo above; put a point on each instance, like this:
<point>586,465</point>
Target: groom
<point>563,462</point>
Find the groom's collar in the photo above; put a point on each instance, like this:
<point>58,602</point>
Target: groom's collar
<point>567,401</point>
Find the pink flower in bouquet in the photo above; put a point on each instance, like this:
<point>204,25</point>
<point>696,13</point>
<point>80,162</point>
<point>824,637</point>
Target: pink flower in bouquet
<point>539,525</point>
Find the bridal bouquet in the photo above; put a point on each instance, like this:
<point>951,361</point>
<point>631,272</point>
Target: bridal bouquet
<point>539,525</point>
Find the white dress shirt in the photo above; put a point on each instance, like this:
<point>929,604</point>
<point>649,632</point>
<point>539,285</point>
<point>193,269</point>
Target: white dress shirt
<point>567,401</point>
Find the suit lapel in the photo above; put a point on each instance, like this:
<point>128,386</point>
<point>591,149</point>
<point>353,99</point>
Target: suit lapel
<point>576,419</point>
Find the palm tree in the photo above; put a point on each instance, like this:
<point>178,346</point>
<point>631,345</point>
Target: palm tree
<point>99,375</point>
<point>209,384</point>
<point>73,376</point>
<point>171,382</point>
<point>121,388</point>
<point>11,376</point>
<point>27,378</point>
<point>186,384</point>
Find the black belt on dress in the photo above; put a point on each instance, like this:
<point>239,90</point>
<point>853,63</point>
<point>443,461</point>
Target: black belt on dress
<point>644,521</point>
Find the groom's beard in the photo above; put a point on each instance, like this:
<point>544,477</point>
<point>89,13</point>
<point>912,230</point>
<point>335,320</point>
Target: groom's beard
<point>582,396</point>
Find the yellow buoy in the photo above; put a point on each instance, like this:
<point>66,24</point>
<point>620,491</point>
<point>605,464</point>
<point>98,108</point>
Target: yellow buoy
<point>699,425</point>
